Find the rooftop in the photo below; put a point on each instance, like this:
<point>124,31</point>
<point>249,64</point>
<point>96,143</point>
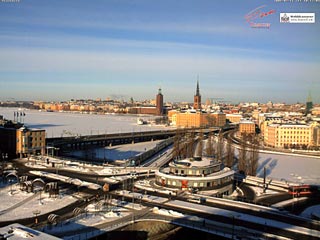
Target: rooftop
<point>194,162</point>
<point>17,231</point>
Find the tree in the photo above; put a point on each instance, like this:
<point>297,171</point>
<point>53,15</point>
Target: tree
<point>230,154</point>
<point>209,146</point>
<point>242,159</point>
<point>200,146</point>
<point>254,156</point>
<point>190,143</point>
<point>176,144</point>
<point>220,147</point>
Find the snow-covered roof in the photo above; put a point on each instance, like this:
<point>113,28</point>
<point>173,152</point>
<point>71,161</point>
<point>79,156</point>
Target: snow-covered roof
<point>17,231</point>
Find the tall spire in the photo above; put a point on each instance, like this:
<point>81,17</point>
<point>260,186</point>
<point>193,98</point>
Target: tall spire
<point>197,97</point>
<point>309,99</point>
<point>198,90</point>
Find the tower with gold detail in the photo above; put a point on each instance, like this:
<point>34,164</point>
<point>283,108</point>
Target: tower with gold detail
<point>159,103</point>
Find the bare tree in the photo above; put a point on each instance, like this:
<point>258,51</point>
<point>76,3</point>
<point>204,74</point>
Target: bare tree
<point>220,147</point>
<point>254,156</point>
<point>230,154</point>
<point>190,143</point>
<point>200,145</point>
<point>242,159</point>
<point>176,144</point>
<point>209,146</point>
<point>210,121</point>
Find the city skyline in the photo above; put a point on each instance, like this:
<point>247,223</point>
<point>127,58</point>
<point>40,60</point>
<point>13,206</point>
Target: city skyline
<point>62,50</point>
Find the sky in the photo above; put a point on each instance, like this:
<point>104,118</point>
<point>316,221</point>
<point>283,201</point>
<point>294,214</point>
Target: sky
<point>59,50</point>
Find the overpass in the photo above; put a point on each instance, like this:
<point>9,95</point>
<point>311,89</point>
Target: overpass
<point>220,222</point>
<point>61,144</point>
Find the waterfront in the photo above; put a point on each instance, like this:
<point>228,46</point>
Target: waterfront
<point>66,124</point>
<point>298,169</point>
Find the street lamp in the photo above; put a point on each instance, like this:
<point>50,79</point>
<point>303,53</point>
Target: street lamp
<point>11,181</point>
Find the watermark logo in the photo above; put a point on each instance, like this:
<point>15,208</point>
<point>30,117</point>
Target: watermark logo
<point>255,18</point>
<point>297,17</point>
<point>284,18</point>
<point>9,1</point>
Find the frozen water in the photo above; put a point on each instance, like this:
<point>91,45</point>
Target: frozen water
<point>66,124</point>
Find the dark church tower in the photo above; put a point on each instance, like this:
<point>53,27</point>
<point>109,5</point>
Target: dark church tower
<point>159,103</point>
<point>197,98</point>
<point>309,104</point>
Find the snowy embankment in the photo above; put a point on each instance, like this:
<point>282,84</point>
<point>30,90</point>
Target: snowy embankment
<point>17,204</point>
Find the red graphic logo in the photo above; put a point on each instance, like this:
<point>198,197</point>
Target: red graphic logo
<point>254,17</point>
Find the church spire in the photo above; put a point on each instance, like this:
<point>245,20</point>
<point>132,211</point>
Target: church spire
<point>197,97</point>
<point>198,90</point>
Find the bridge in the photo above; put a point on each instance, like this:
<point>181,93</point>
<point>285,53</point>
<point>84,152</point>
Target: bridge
<point>263,223</point>
<point>61,144</point>
<point>58,145</point>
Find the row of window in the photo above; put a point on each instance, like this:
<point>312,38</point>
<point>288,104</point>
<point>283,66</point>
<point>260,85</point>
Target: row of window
<point>177,183</point>
<point>295,132</point>
<point>304,137</point>
<point>195,172</point>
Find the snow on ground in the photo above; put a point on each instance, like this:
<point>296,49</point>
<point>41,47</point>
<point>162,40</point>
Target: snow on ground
<point>243,216</point>
<point>29,202</point>
<point>84,220</point>
<point>119,152</point>
<point>67,124</point>
<point>94,214</point>
<point>259,191</point>
<point>297,169</point>
<point>9,199</point>
<point>166,212</point>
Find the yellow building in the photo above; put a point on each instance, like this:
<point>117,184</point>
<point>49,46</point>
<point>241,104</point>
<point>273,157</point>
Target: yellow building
<point>234,118</point>
<point>290,135</point>
<point>316,111</point>
<point>194,118</point>
<point>30,141</point>
<point>247,127</point>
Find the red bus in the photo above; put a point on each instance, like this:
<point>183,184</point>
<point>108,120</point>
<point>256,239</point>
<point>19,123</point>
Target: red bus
<point>303,190</point>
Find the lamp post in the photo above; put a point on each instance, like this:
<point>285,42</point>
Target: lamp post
<point>4,159</point>
<point>40,197</point>
<point>11,183</point>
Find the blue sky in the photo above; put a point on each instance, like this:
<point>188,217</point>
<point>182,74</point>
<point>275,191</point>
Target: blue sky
<point>58,50</point>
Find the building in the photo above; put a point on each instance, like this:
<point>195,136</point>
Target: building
<point>17,231</point>
<point>196,117</point>
<point>30,141</point>
<point>18,140</point>
<point>192,118</point>
<point>203,174</point>
<point>309,105</point>
<point>234,118</point>
<point>152,110</point>
<point>159,103</point>
<point>296,136</point>
<point>247,127</point>
<point>8,138</point>
<point>197,98</point>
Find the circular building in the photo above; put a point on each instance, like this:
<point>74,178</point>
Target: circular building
<point>203,174</point>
